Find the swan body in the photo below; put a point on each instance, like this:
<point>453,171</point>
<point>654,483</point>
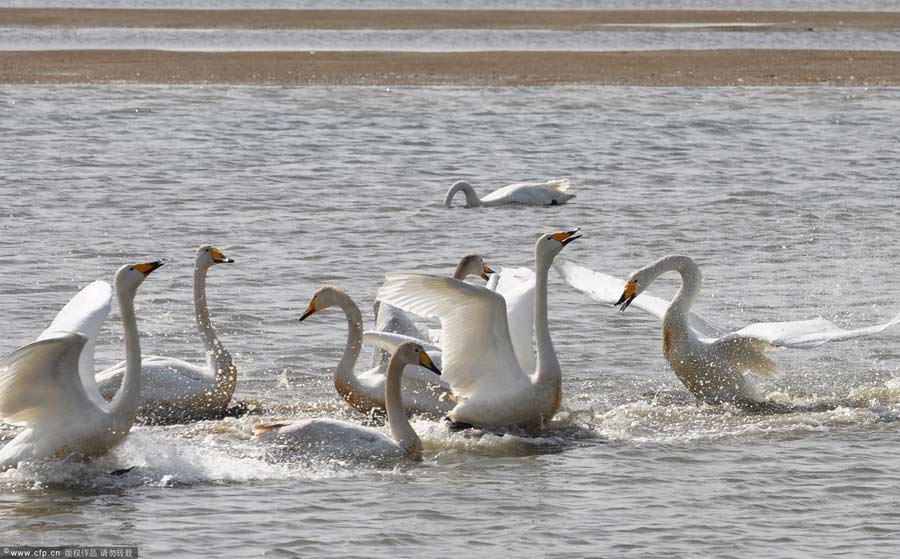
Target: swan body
<point>713,363</point>
<point>176,390</point>
<point>390,319</point>
<point>479,361</point>
<point>41,388</point>
<point>342,440</point>
<point>550,193</point>
<point>423,391</point>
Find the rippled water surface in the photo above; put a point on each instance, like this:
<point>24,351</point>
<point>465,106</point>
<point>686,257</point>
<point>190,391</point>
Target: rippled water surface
<point>446,40</point>
<point>786,197</point>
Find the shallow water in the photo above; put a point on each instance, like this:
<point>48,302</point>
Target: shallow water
<point>785,196</point>
<point>441,40</point>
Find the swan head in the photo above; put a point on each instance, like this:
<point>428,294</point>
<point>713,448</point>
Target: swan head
<point>550,244</point>
<point>635,284</point>
<point>472,265</point>
<point>208,255</point>
<point>322,299</point>
<point>412,353</point>
<point>130,276</point>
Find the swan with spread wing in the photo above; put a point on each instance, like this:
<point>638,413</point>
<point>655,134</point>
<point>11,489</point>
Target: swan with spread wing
<point>479,361</point>
<point>41,386</point>
<point>713,363</point>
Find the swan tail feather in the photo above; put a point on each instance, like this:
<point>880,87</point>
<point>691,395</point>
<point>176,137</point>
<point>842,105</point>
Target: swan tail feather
<point>560,185</point>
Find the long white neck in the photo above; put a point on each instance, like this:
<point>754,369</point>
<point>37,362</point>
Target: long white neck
<point>218,360</point>
<point>345,381</point>
<point>401,430</point>
<point>548,377</point>
<point>691,282</point>
<point>124,405</point>
<point>462,270</point>
<point>472,199</point>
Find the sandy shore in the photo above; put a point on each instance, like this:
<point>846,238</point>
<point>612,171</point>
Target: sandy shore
<point>656,68</point>
<point>443,19</point>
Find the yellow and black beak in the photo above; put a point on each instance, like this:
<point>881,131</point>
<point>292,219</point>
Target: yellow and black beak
<point>219,258</point>
<point>628,295</point>
<point>426,362</point>
<point>485,271</point>
<point>147,267</point>
<point>565,237</point>
<point>310,309</point>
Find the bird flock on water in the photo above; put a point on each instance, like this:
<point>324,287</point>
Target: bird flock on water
<point>491,365</point>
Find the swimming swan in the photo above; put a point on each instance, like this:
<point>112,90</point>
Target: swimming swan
<point>550,193</point>
<point>423,391</point>
<point>479,361</point>
<point>340,439</point>
<point>40,388</point>
<point>393,320</point>
<point>178,391</point>
<point>709,360</point>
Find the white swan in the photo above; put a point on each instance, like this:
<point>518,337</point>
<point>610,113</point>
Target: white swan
<point>424,392</point>
<point>332,438</point>
<point>393,320</point>
<point>710,361</point>
<point>550,193</point>
<point>479,361</point>
<point>40,388</point>
<point>178,391</point>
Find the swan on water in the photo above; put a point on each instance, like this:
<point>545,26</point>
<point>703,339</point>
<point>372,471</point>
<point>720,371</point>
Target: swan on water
<point>339,439</point>
<point>178,391</point>
<point>550,193</point>
<point>479,361</point>
<point>423,391</point>
<point>712,362</point>
<point>41,388</point>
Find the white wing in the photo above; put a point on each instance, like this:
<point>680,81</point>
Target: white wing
<point>516,285</point>
<point>84,314</point>
<point>607,289</point>
<point>41,380</point>
<point>805,334</point>
<point>477,352</point>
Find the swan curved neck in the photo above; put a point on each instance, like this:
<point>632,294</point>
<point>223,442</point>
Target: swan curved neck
<point>401,430</point>
<point>691,282</point>
<point>472,199</point>
<point>548,376</point>
<point>462,270</point>
<point>218,360</point>
<point>124,405</point>
<point>345,381</point>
